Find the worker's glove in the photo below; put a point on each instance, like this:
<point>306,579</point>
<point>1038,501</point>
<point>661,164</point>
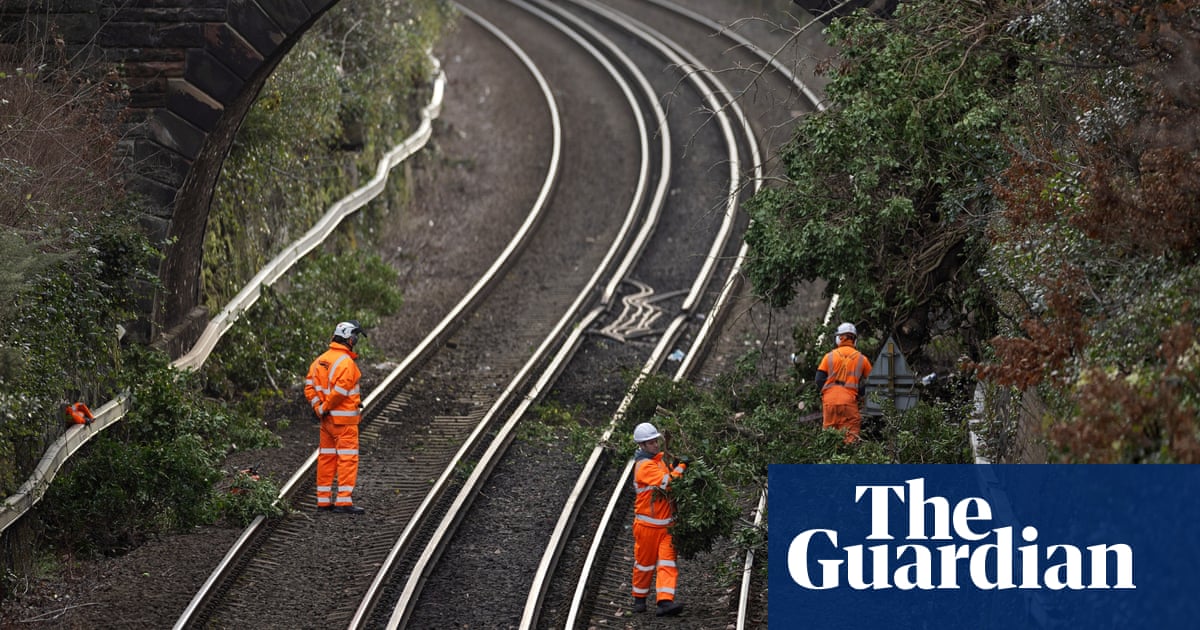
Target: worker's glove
<point>685,460</point>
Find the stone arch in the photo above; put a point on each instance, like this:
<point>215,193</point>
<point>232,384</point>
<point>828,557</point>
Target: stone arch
<point>194,67</point>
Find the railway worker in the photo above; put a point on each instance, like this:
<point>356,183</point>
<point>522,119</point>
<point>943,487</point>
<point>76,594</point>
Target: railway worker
<point>842,381</point>
<point>331,387</point>
<point>79,413</point>
<point>654,513</point>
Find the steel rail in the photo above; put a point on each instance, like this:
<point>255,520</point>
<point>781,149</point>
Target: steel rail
<point>587,477</point>
<point>409,364</point>
<point>693,356</point>
<point>771,59</point>
<point>584,482</point>
<point>403,609</point>
<point>671,52</point>
<point>690,65</point>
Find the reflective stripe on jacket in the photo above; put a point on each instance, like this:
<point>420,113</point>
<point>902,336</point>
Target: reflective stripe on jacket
<point>847,369</point>
<point>331,386</point>
<point>651,477</point>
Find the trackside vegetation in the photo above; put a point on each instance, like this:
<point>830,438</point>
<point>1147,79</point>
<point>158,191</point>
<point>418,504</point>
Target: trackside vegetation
<point>75,261</point>
<point>740,425</point>
<point>1008,188</point>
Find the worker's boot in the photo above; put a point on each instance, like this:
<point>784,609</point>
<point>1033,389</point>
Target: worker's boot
<point>348,509</point>
<point>639,604</point>
<point>668,608</point>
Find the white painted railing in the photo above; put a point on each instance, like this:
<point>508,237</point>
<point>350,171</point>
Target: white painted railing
<point>114,410</point>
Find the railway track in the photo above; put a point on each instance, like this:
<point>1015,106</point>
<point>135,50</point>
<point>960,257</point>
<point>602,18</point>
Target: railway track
<point>439,431</point>
<point>601,596</point>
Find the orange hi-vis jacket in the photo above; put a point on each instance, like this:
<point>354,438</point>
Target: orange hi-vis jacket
<point>650,480</point>
<point>79,413</point>
<point>847,369</point>
<point>331,386</point>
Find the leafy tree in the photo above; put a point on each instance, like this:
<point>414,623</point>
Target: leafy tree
<point>887,191</point>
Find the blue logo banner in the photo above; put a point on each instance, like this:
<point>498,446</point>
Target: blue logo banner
<point>984,546</point>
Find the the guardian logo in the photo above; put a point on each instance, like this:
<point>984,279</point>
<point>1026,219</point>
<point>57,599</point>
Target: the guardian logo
<point>947,546</point>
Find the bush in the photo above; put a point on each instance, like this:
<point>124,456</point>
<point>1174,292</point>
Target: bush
<point>247,498</point>
<point>153,472</point>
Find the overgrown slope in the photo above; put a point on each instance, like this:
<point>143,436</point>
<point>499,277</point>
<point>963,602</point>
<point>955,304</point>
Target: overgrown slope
<point>1015,183</point>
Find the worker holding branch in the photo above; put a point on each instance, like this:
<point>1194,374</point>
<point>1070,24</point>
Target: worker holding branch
<point>654,513</point>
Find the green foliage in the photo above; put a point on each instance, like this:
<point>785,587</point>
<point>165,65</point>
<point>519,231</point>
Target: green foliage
<point>271,345</point>
<point>345,94</point>
<point>61,340</point>
<point>169,402</point>
<point>280,176</point>
<point>122,491</point>
<point>381,49</point>
<point>155,470</point>
<point>248,498</point>
<point>704,511</point>
<point>737,428</point>
<point>73,265</point>
<point>552,424</point>
<point>885,190</point>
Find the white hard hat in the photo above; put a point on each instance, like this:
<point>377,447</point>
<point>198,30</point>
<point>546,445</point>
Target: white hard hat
<point>348,329</point>
<point>846,328</point>
<point>645,432</point>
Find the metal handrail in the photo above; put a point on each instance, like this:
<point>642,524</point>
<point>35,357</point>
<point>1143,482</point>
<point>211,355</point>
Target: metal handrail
<point>109,413</point>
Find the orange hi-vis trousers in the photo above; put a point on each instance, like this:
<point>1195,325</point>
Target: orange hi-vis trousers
<point>846,418</point>
<point>338,453</point>
<point>653,553</point>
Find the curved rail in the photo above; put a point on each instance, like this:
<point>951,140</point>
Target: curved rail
<point>428,345</point>
<point>672,53</point>
<point>403,609</point>
<point>772,60</point>
<point>587,476</point>
<point>32,490</point>
<point>690,358</point>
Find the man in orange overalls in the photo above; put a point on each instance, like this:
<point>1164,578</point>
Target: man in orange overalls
<point>653,548</point>
<point>842,380</point>
<point>332,389</point>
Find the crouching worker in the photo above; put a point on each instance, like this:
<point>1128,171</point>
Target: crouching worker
<point>79,413</point>
<point>654,513</point>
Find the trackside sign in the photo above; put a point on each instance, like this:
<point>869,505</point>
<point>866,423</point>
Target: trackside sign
<point>1051,546</point>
